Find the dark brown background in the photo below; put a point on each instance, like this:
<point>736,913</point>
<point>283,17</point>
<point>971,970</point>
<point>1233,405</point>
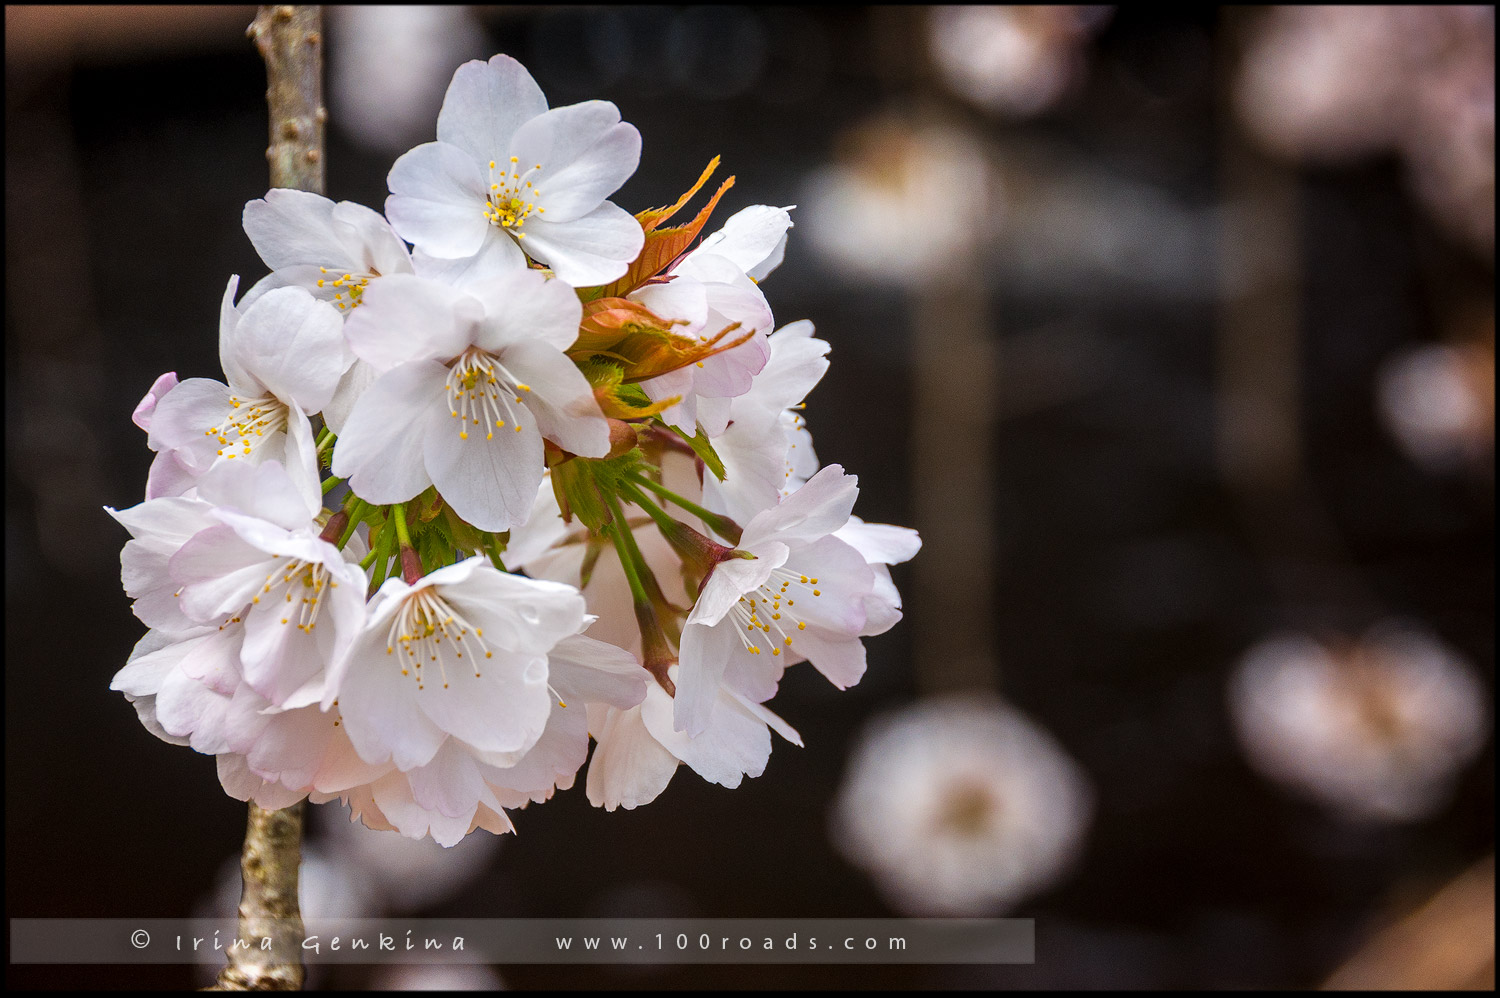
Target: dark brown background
<point>1129,577</point>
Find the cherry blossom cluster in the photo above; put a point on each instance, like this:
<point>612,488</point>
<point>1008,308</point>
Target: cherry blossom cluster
<point>504,373</point>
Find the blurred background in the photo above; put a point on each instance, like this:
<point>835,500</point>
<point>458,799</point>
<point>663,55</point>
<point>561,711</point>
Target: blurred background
<point>1172,333</point>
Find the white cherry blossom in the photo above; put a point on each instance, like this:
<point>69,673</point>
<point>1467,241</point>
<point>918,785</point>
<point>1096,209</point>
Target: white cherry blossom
<point>472,381</point>
<point>766,449</point>
<point>711,288</point>
<point>800,596</point>
<point>283,358</point>
<point>507,179</point>
<point>462,654</point>
<point>334,250</point>
<point>247,551</point>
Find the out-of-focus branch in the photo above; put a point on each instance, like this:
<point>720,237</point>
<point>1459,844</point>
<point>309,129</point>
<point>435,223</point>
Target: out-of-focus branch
<point>290,39</point>
<point>1447,943</point>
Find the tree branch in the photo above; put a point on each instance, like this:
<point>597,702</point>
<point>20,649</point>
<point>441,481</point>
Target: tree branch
<point>268,905</point>
<point>290,39</point>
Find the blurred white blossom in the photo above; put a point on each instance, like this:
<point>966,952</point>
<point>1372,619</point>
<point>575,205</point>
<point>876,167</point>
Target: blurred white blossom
<point>904,203</point>
<point>960,806</point>
<point>389,65</point>
<point>1376,729</point>
<point>1016,60</point>
<point>1331,83</point>
<point>1439,402</point>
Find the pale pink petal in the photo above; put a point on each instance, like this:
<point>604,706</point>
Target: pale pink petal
<point>486,103</point>
<point>437,202</point>
<point>450,784</point>
<point>561,400</point>
<point>142,415</point>
<point>489,475</point>
<point>585,152</point>
<point>592,250</point>
<point>381,448</point>
<point>629,767</point>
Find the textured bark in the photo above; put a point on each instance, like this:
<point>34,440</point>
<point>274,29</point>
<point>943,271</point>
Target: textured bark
<point>268,905</point>
<point>290,39</point>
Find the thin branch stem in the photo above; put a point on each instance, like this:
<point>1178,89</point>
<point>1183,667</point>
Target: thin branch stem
<point>290,39</point>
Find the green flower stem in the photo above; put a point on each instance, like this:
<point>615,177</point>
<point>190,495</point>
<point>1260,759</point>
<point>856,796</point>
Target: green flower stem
<point>618,531</point>
<point>635,495</point>
<point>368,559</point>
<point>330,483</point>
<point>383,560</point>
<point>356,513</point>
<point>492,548</point>
<point>721,525</point>
<point>398,513</point>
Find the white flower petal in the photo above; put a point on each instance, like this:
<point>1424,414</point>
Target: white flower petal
<point>629,767</point>
<point>404,318</point>
<point>183,417</point>
<point>503,709</point>
<point>561,400</point>
<point>289,227</point>
<point>733,745</point>
<point>378,707</point>
<point>703,657</point>
<point>592,250</point>
<point>818,508</point>
<point>586,152</point>
<point>229,320</point>
<point>589,671</point>
<point>372,242</point>
<point>497,254</point>
<point>490,477</point>
<point>438,196</point>
<point>523,306</point>
<point>486,103</point>
<point>381,448</point>
<point>753,238</point>
<point>293,344</point>
<point>882,543</point>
